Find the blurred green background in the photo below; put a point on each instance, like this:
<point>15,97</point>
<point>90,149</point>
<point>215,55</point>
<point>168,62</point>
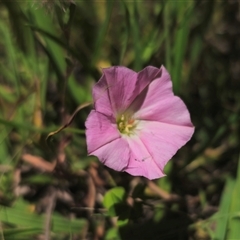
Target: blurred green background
<point>51,54</point>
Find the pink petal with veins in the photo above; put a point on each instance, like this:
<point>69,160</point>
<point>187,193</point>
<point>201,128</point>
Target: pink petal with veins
<point>142,162</point>
<point>158,103</point>
<point>114,154</point>
<point>99,131</point>
<point>163,140</point>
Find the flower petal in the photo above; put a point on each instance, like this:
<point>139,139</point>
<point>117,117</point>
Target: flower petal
<point>157,103</point>
<point>142,162</point>
<point>119,86</point>
<point>162,140</point>
<point>101,98</point>
<point>114,154</point>
<point>99,131</point>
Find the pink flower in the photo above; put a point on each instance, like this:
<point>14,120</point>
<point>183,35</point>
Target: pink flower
<point>137,124</point>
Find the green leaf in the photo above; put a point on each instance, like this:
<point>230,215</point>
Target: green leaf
<point>21,215</point>
<point>43,23</point>
<point>125,36</point>
<point>166,21</point>
<point>20,125</point>
<point>21,233</point>
<point>102,32</point>
<point>181,41</point>
<point>234,222</point>
<point>223,214</point>
<point>136,35</point>
<point>112,234</point>
<point>39,179</point>
<point>112,197</point>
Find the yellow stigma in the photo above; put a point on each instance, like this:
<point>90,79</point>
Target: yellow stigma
<point>126,124</point>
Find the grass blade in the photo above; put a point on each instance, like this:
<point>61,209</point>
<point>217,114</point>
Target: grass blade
<point>234,222</point>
